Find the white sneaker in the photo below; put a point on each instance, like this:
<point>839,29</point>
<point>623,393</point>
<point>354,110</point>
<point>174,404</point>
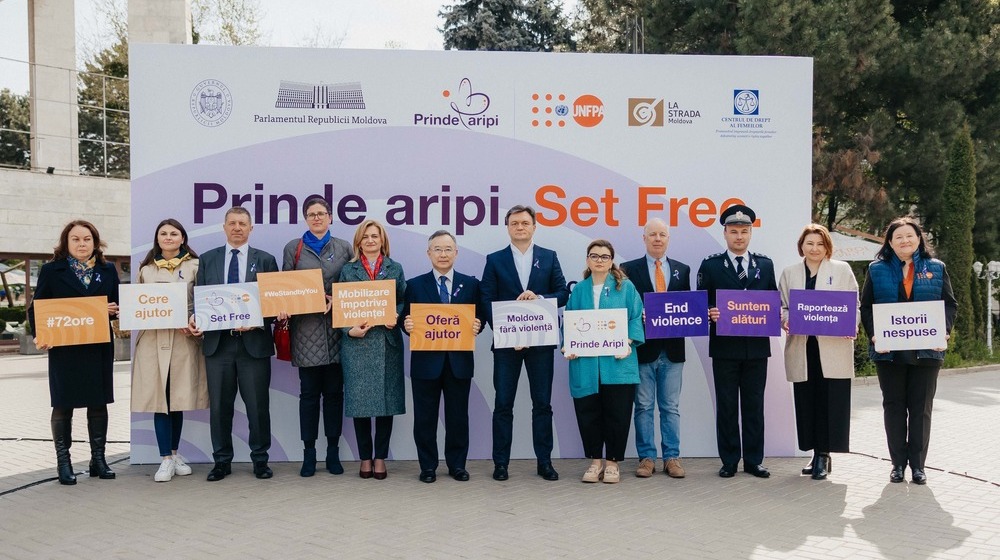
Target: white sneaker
<point>166,470</point>
<point>180,467</point>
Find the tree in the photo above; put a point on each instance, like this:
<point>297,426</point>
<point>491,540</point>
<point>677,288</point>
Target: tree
<point>15,128</point>
<point>226,22</point>
<point>506,25</point>
<point>955,232</point>
<point>894,80</point>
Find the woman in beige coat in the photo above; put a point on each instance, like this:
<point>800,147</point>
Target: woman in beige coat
<point>820,367</point>
<point>168,370</point>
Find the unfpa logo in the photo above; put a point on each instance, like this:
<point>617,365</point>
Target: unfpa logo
<point>645,111</point>
<point>550,110</point>
<point>746,102</point>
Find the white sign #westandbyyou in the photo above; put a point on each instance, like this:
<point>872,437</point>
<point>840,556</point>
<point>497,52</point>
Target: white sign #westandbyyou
<point>595,332</point>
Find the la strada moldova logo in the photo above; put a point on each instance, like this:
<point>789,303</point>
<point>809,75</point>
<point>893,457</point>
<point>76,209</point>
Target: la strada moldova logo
<point>555,110</point>
<point>211,103</point>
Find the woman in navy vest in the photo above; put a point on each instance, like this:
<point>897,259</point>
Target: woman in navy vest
<point>903,270</point>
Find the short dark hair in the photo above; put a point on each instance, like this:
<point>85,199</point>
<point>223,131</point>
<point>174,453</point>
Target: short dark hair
<point>314,201</point>
<point>517,210</point>
<point>441,233</point>
<point>238,210</point>
<point>61,251</point>
<point>886,252</point>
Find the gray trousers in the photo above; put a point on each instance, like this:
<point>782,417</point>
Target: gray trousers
<point>229,370</point>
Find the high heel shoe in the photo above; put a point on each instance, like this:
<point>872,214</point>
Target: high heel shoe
<point>380,475</point>
<point>366,473</point>
<point>819,467</point>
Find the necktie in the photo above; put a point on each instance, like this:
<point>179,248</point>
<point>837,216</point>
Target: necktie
<point>740,271</point>
<point>661,281</point>
<point>234,268</point>
<point>443,290</point>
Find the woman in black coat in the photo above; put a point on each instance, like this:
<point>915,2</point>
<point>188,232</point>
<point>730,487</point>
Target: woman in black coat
<point>81,375</point>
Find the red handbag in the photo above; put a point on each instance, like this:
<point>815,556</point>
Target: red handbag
<point>282,338</point>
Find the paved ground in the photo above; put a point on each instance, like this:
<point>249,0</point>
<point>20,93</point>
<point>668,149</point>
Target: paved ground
<point>856,513</point>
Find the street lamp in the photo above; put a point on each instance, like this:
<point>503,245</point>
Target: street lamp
<point>991,273</point>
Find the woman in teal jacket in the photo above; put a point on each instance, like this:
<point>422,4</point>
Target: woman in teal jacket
<point>603,387</point>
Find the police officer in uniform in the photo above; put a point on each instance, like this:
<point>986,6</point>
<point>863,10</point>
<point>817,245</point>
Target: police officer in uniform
<point>739,363</point>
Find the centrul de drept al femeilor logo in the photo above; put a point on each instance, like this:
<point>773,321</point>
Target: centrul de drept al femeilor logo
<point>746,102</point>
<point>211,103</point>
<point>468,109</point>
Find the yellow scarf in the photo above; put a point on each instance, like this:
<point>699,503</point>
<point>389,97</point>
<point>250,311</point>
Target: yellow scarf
<point>171,264</point>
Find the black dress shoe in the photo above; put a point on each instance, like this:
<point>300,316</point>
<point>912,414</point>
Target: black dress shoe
<point>896,474</point>
<point>219,471</point>
<point>546,471</point>
<point>428,476</point>
<point>500,472</point>
<point>727,471</point>
<point>460,474</point>
<point>759,471</point>
<point>261,470</point>
<point>918,476</point>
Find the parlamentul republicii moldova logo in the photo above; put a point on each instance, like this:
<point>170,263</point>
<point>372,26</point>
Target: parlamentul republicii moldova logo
<point>211,103</point>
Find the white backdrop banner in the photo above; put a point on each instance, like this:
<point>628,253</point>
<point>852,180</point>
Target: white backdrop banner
<point>598,144</point>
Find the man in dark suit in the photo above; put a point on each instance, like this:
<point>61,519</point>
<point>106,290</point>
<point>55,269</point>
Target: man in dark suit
<point>522,271</point>
<point>238,359</point>
<point>739,363</point>
<point>433,373</point>
<point>661,361</point>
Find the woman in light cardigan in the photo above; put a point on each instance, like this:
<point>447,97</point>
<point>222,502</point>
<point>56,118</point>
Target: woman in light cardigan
<point>820,367</point>
<point>603,387</point>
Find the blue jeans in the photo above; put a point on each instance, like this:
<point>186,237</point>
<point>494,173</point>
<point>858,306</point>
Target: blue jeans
<point>659,382</point>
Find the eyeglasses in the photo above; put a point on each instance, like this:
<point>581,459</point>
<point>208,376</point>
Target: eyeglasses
<point>317,215</point>
<point>442,250</point>
<point>599,258</point>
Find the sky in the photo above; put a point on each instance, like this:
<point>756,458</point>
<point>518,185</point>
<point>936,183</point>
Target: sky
<point>368,24</point>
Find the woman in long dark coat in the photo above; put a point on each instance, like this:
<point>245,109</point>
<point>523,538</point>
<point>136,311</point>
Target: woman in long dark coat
<point>373,354</point>
<point>315,343</point>
<point>80,376</point>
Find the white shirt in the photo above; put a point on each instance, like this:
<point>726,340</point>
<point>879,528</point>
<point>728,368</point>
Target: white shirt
<point>746,260</point>
<point>664,264</point>
<point>523,262</point>
<point>242,262</point>
<point>448,281</point>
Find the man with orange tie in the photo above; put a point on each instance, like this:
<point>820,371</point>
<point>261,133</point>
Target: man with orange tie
<point>661,361</point>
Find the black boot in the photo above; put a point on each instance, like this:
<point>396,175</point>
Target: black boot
<point>308,462</point>
<point>819,466</point>
<point>97,426</point>
<point>62,436</point>
<point>333,460</point>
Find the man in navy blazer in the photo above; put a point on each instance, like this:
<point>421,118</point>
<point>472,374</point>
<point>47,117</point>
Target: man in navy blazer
<point>661,361</point>
<point>739,363</point>
<point>522,271</point>
<point>238,359</point>
<point>433,373</point>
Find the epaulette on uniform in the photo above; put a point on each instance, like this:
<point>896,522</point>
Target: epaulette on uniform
<point>760,255</point>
